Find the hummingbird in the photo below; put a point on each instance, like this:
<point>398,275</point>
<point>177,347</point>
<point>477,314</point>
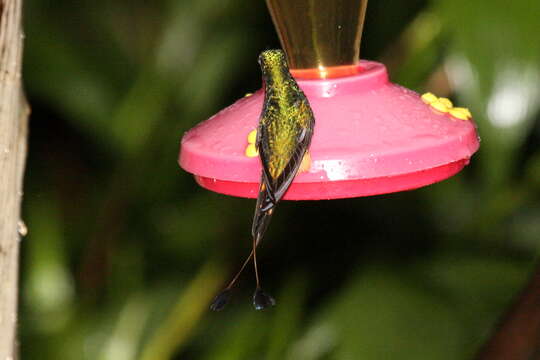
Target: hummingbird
<point>284,134</point>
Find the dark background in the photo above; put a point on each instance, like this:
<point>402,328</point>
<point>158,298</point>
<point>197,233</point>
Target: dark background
<point>124,251</point>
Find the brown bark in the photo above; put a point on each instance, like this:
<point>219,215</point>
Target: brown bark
<point>518,335</point>
<point>13,127</point>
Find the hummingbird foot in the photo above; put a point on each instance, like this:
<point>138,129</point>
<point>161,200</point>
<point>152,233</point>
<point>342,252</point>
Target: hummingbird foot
<point>262,300</point>
<point>221,300</point>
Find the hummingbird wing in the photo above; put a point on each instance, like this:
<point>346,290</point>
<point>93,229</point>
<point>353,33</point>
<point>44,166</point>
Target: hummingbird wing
<point>280,161</point>
<point>281,157</point>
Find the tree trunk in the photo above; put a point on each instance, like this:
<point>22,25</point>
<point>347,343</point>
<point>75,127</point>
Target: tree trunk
<point>13,127</point>
<point>518,335</point>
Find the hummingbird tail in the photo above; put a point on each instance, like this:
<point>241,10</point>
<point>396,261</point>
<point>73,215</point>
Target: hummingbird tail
<point>224,296</point>
<point>262,300</point>
<point>263,213</point>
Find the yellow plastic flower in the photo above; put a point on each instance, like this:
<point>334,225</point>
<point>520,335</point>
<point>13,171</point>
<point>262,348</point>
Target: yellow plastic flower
<point>446,102</point>
<point>306,163</point>
<point>428,98</point>
<point>251,149</point>
<point>444,105</point>
<point>439,106</point>
<point>460,113</point>
<point>252,137</point>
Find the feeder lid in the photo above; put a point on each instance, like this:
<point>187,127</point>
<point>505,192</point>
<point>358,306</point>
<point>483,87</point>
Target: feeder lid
<point>371,137</point>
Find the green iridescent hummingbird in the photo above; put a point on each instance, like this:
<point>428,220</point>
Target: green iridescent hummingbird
<point>283,137</point>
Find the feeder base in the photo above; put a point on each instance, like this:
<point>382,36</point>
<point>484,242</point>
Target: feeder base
<point>340,189</point>
<point>371,137</point>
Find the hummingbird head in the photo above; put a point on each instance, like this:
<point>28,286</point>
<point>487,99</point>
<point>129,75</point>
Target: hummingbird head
<point>273,62</point>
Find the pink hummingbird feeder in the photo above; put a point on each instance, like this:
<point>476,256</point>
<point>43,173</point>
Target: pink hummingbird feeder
<point>371,136</point>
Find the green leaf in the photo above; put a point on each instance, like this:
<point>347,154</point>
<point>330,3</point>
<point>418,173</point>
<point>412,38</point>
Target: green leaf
<point>383,315</point>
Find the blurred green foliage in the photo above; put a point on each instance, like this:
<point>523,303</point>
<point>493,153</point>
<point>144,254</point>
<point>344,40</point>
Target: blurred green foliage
<point>124,251</point>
